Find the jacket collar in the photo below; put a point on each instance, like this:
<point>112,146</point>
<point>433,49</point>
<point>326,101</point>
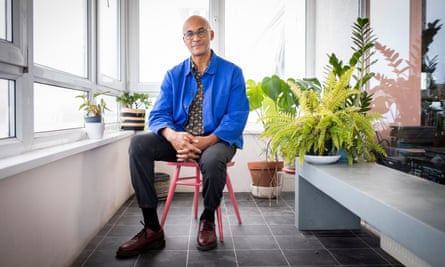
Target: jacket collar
<point>211,69</point>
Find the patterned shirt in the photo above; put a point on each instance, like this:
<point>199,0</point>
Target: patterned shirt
<point>194,123</point>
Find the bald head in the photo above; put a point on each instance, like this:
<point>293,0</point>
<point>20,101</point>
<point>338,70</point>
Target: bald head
<point>196,20</point>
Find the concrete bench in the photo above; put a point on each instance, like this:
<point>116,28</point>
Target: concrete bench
<point>407,209</point>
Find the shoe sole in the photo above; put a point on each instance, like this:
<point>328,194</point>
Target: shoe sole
<point>153,246</point>
<point>206,248</point>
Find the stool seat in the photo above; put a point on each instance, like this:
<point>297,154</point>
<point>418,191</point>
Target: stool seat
<point>196,182</point>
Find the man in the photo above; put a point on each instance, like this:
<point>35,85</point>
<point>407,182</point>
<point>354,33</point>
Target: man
<point>199,116</point>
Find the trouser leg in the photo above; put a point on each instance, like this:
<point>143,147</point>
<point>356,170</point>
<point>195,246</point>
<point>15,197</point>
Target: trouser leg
<point>213,168</point>
<point>144,150</point>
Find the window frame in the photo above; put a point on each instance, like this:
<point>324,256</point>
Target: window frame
<point>16,63</point>
<point>118,84</point>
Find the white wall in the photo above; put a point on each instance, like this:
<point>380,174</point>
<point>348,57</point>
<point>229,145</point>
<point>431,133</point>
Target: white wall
<point>50,213</point>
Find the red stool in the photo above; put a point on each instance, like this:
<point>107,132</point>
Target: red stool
<point>178,180</point>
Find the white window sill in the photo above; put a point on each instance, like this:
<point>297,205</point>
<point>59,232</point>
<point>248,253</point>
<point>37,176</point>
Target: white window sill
<point>20,163</point>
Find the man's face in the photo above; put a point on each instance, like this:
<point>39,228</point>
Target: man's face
<point>197,36</point>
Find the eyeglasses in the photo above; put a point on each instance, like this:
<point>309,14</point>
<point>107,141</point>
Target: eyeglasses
<point>200,33</point>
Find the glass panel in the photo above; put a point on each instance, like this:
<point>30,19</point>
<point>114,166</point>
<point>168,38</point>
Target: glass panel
<point>111,115</point>
<point>60,35</point>
<point>109,40</point>
<point>160,35</point>
<point>396,86</point>
<point>434,40</point>
<point>7,107</point>
<point>5,20</point>
<point>266,46</point>
<point>56,108</point>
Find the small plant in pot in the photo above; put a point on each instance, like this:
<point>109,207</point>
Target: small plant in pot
<point>94,110</point>
<point>268,97</point>
<point>133,106</point>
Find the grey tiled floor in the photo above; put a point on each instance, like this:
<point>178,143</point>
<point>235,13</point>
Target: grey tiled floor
<point>266,237</point>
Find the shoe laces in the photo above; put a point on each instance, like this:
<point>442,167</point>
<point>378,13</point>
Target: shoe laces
<point>142,232</point>
<point>207,226</point>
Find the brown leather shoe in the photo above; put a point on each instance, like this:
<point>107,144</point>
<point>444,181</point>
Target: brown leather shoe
<point>145,240</point>
<point>206,236</point>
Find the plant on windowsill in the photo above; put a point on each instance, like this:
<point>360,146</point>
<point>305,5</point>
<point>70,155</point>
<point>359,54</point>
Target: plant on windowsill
<point>133,107</point>
<point>94,110</point>
<point>334,117</point>
<point>269,96</point>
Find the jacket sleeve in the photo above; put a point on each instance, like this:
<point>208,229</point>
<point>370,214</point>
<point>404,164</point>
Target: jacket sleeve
<point>161,115</point>
<point>231,127</point>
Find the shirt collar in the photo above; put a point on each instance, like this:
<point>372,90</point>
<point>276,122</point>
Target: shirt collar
<point>211,69</point>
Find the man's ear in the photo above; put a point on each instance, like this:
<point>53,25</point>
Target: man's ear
<point>212,35</point>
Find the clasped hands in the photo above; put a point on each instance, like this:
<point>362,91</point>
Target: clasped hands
<point>187,146</point>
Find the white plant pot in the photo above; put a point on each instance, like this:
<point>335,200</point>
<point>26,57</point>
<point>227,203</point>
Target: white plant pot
<point>265,191</point>
<point>95,130</point>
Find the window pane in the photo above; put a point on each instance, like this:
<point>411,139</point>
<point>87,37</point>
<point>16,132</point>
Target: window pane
<point>109,40</point>
<point>111,115</point>
<point>60,35</point>
<point>7,107</point>
<point>5,20</point>
<point>266,46</point>
<point>56,108</point>
<point>160,36</point>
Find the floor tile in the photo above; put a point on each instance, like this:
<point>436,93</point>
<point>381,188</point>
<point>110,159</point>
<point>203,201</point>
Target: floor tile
<point>214,258</point>
<point>342,242</point>
<point>163,258</point>
<point>358,256</point>
<point>267,237</point>
<point>310,257</point>
<point>257,242</point>
<point>293,242</point>
<point>261,258</point>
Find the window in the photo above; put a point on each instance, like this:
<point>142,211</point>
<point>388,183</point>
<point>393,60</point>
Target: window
<point>60,35</point>
<point>266,46</point>
<point>56,108</point>
<point>5,22</point>
<point>160,35</point>
<point>111,115</point>
<point>7,127</point>
<point>109,40</point>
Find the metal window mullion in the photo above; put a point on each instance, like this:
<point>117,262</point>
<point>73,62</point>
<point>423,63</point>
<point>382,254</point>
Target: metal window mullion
<point>132,48</point>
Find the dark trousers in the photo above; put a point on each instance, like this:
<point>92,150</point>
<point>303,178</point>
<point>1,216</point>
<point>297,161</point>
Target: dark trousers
<point>147,148</point>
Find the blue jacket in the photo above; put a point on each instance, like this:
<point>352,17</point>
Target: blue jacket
<point>225,106</point>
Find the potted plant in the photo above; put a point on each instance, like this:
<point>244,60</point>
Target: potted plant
<point>269,96</point>
<point>94,109</point>
<point>133,106</point>
<point>334,116</point>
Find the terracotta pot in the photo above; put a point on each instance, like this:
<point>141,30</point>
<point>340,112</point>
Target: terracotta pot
<point>263,173</point>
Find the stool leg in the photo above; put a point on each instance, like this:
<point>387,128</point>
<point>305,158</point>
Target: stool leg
<point>171,193</point>
<point>196,194</point>
<point>232,198</point>
<point>220,227</point>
